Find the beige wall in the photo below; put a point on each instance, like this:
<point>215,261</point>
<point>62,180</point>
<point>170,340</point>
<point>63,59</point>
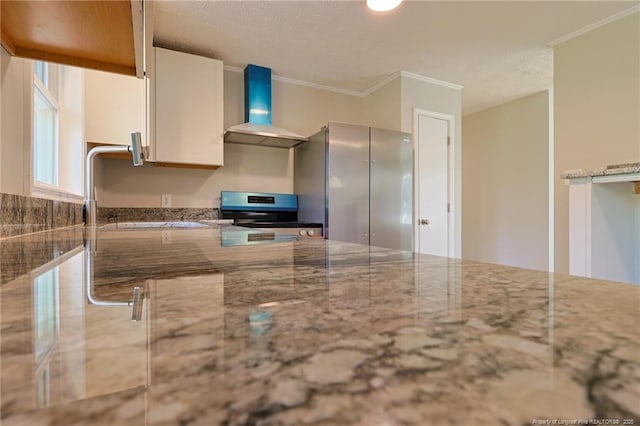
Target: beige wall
<point>445,100</point>
<point>233,98</point>
<point>247,168</point>
<point>305,110</point>
<point>505,192</point>
<point>382,108</point>
<point>596,109</point>
<point>297,108</point>
<point>12,147</point>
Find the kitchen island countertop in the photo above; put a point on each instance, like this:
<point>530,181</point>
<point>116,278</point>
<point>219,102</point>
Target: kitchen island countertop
<point>303,332</point>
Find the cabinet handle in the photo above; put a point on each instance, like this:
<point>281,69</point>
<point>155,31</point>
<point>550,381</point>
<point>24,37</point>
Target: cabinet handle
<point>136,149</point>
<point>424,221</point>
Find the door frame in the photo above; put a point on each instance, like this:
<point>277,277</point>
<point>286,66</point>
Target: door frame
<point>453,249</point>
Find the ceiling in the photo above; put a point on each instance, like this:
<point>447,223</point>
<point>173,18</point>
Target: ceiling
<point>499,51</point>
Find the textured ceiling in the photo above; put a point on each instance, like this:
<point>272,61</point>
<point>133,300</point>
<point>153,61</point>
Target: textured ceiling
<point>498,51</point>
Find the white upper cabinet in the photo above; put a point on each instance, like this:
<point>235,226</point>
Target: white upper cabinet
<point>114,107</point>
<point>186,110</point>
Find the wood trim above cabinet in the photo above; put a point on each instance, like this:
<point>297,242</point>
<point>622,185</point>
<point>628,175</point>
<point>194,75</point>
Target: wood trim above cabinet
<point>127,156</point>
<point>89,34</point>
<point>187,166</point>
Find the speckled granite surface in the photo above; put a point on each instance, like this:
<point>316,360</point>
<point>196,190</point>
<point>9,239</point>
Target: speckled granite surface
<point>21,215</point>
<point>307,332</point>
<point>134,214</point>
<point>621,169</point>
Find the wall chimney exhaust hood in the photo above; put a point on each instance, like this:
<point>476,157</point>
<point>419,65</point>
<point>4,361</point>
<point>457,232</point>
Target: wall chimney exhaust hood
<point>257,113</point>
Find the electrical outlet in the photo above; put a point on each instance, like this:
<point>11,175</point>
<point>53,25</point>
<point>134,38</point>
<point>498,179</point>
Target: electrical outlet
<point>166,200</point>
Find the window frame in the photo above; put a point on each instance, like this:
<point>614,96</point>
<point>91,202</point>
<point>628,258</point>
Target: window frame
<point>42,89</point>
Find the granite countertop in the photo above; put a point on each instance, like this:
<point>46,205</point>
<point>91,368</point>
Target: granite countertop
<point>616,169</point>
<point>302,332</point>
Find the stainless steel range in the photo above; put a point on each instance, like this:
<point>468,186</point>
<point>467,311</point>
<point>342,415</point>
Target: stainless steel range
<point>277,212</point>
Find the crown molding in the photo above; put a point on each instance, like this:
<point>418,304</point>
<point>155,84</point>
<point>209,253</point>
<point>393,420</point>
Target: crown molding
<point>381,84</point>
<point>356,93</point>
<point>431,80</point>
<point>232,69</point>
<point>316,86</point>
<point>595,25</point>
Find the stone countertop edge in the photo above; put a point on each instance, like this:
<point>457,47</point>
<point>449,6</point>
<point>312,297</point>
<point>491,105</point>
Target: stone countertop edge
<point>573,174</point>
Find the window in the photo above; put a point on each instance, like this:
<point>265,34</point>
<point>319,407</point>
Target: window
<point>45,124</point>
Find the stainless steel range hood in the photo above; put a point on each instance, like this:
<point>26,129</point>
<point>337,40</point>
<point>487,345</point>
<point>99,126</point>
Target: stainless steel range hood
<point>257,111</point>
<point>258,134</point>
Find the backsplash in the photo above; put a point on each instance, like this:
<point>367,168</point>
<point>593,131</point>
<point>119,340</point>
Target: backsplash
<point>22,215</point>
<point>151,214</point>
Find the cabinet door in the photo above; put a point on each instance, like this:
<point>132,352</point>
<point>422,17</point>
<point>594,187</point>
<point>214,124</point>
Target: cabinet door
<point>188,109</point>
<point>114,107</point>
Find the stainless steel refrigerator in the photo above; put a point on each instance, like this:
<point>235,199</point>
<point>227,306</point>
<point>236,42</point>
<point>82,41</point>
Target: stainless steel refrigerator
<point>358,182</point>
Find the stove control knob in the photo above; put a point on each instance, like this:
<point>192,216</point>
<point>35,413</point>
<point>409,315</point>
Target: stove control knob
<point>311,232</point>
<point>302,232</point>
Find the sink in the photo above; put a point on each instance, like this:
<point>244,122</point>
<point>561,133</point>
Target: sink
<point>147,225</point>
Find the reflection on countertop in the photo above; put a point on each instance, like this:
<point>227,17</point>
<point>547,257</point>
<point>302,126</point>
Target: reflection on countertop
<point>303,332</point>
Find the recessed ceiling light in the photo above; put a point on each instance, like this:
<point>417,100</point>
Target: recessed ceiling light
<point>383,5</point>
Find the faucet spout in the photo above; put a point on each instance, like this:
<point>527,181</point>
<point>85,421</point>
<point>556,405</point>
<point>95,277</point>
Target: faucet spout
<point>90,204</point>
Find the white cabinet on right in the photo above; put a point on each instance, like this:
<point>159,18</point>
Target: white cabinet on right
<point>186,110</point>
<point>604,227</point>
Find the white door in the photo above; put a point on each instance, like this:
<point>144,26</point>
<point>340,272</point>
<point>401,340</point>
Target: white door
<point>432,185</point>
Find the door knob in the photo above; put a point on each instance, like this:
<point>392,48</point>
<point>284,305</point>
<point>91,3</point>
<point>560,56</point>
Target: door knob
<point>424,221</point>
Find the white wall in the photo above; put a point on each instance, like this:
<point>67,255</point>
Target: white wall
<point>596,109</point>
<point>297,108</point>
<point>505,191</point>
<point>71,113</point>
<point>12,145</point>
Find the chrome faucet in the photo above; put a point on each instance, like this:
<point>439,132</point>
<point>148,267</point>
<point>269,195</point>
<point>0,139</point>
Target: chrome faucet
<point>90,204</point>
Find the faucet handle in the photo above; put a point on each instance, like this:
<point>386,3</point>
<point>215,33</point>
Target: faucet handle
<point>138,298</point>
<point>136,149</point>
